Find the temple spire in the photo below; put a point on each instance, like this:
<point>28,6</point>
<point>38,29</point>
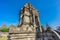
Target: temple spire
<point>29,17</point>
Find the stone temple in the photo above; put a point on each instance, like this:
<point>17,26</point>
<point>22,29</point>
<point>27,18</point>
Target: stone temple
<point>29,27</point>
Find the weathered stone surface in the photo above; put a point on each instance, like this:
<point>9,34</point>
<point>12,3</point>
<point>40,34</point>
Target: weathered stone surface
<point>29,27</point>
<point>27,36</point>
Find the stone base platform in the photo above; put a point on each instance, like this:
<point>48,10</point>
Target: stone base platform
<point>22,36</point>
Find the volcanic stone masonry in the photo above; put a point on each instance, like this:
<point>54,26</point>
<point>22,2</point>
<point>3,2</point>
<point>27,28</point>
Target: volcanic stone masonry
<point>29,27</point>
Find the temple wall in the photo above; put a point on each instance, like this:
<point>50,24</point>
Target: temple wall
<point>23,36</point>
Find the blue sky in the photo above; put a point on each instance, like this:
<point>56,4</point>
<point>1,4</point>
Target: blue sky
<point>49,11</point>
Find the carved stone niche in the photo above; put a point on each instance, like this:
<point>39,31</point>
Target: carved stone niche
<point>26,19</point>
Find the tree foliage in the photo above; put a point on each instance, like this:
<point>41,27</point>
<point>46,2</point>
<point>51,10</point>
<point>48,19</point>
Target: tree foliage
<point>4,29</point>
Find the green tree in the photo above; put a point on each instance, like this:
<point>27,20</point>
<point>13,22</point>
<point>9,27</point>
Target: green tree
<point>4,28</point>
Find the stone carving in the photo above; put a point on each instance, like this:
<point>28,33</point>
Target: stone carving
<point>29,27</point>
<point>27,24</point>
